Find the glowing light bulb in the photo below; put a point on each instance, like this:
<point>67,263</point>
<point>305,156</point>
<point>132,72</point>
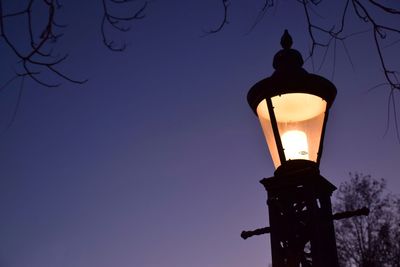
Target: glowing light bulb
<point>295,145</point>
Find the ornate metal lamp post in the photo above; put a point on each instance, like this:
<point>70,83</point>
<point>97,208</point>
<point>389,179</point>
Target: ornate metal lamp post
<point>293,106</point>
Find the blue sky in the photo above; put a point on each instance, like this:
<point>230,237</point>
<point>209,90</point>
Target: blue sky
<point>155,161</point>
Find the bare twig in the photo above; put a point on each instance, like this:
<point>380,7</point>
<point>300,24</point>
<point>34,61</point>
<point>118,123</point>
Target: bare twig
<point>17,104</point>
<point>379,33</point>
<point>267,5</point>
<point>118,22</point>
<point>38,57</point>
<point>391,108</point>
<point>363,10</point>
<point>224,20</point>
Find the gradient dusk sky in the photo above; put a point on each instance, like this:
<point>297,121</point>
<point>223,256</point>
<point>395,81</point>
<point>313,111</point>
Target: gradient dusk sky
<point>155,161</point>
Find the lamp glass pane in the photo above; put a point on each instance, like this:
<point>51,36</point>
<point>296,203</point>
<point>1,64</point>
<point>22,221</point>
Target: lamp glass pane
<point>300,120</point>
<point>263,116</point>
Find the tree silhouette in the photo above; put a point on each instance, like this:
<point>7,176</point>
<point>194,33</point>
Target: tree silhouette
<point>372,241</point>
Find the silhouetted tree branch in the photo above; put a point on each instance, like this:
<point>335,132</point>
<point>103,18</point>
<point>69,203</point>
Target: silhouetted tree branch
<point>365,10</point>
<point>36,56</point>
<point>39,61</point>
<point>324,37</point>
<point>40,55</point>
<point>118,22</point>
<point>224,21</point>
<point>266,6</point>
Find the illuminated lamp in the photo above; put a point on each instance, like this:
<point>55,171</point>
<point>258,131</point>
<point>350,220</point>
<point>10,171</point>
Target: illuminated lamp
<point>292,106</point>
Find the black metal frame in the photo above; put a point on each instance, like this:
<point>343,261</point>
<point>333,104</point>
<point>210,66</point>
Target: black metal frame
<point>290,77</point>
<point>275,129</point>
<point>301,222</point>
<point>300,212</point>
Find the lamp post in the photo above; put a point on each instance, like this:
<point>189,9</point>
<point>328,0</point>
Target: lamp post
<point>293,106</point>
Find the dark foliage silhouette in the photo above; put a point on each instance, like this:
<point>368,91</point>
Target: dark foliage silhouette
<point>368,241</point>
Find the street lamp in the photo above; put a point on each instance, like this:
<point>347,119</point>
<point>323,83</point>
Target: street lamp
<point>292,106</point>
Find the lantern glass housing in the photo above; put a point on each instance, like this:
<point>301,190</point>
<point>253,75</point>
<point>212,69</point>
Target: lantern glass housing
<point>292,106</point>
<point>300,119</point>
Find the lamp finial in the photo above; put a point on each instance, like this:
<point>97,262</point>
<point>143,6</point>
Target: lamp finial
<point>286,40</point>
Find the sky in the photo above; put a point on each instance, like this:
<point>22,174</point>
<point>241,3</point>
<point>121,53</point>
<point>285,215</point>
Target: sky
<point>156,160</point>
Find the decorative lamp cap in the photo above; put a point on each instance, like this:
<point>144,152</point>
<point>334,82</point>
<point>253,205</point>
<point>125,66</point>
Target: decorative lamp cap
<point>287,58</point>
<point>290,77</point>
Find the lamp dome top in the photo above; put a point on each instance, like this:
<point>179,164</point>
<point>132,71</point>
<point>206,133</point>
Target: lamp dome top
<point>290,77</point>
<point>287,58</point>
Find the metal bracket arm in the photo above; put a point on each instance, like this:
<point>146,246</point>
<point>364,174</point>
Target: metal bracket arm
<point>259,231</point>
<point>337,216</point>
<point>348,214</point>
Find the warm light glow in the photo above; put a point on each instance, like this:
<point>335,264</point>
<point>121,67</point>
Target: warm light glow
<point>299,118</point>
<point>297,107</point>
<point>295,144</point>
